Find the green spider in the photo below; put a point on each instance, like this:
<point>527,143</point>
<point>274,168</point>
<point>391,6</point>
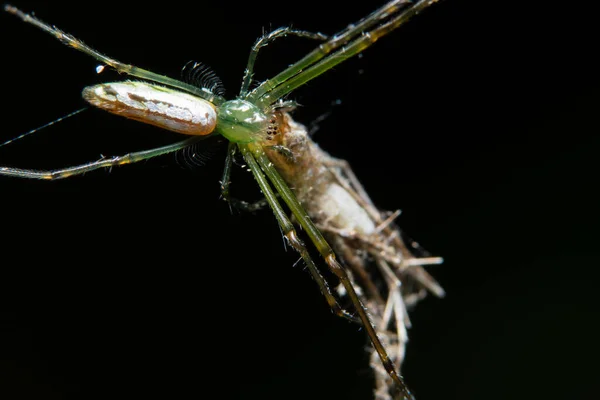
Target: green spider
<point>280,155</point>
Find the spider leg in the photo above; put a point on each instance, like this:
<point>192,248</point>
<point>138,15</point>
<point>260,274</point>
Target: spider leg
<point>226,182</point>
<point>101,163</point>
<point>341,46</point>
<point>357,266</point>
<point>389,315</point>
<point>128,69</point>
<point>290,234</point>
<point>265,40</point>
<point>327,253</point>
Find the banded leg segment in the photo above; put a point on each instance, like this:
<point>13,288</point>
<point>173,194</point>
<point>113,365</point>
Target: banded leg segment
<point>128,69</point>
<point>291,236</point>
<point>323,247</point>
<point>101,163</point>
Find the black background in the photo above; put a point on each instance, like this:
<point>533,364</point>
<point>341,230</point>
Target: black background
<point>477,119</point>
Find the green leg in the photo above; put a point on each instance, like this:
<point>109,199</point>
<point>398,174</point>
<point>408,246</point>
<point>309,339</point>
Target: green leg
<point>290,233</point>
<point>323,247</point>
<point>333,44</point>
<point>265,40</point>
<point>77,44</point>
<point>226,181</point>
<point>352,42</point>
<point>101,163</point>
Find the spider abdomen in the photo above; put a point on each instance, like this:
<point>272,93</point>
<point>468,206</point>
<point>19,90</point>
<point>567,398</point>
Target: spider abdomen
<point>155,105</point>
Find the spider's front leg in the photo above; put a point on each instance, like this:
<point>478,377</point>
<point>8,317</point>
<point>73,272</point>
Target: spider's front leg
<point>255,156</point>
<point>290,234</point>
